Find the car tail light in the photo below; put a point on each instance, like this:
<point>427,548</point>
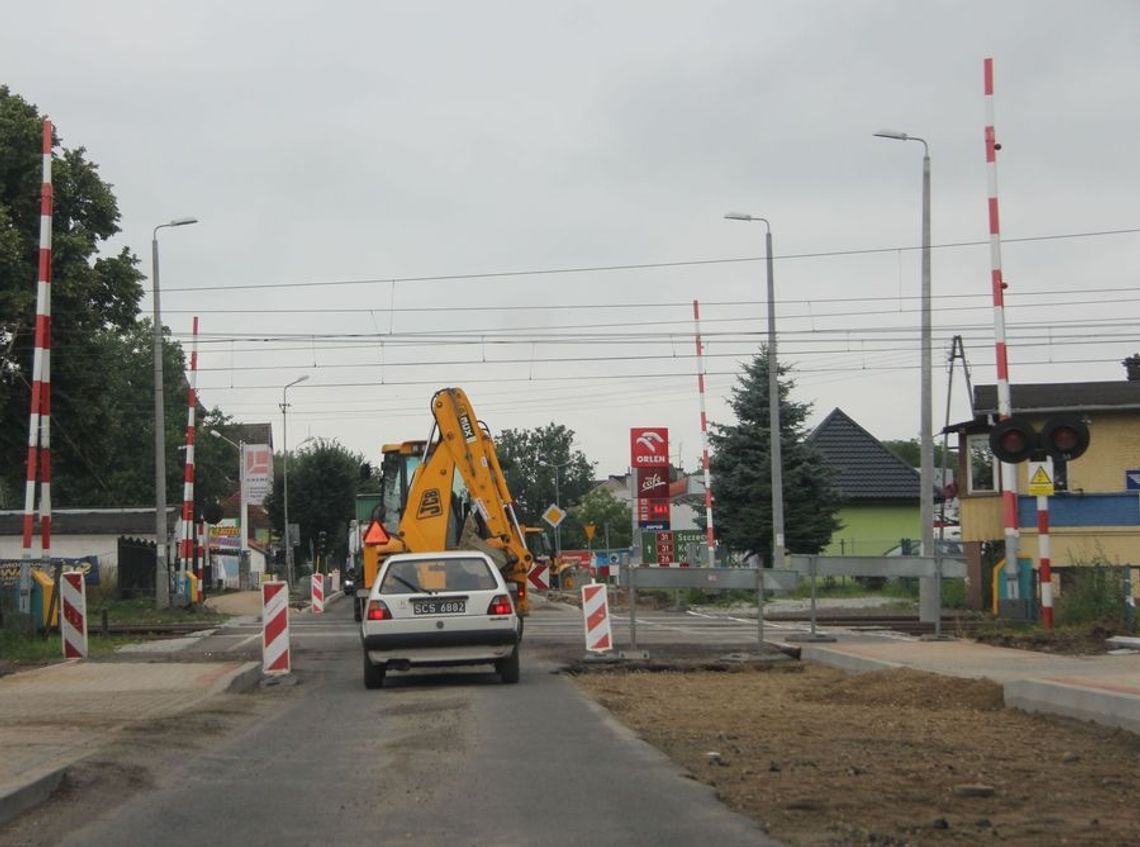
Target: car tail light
<point>500,605</point>
<point>377,611</point>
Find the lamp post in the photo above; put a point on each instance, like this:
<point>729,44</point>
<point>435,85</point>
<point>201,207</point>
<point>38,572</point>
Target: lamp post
<point>777,459</point>
<point>240,445</point>
<point>557,501</point>
<point>928,601</point>
<point>161,575</point>
<point>285,469</point>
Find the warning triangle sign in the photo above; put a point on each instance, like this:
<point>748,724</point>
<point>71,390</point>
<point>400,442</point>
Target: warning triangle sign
<point>375,534</point>
<point>1041,477</point>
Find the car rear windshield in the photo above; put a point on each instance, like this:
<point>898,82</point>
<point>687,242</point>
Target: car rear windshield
<point>429,575</point>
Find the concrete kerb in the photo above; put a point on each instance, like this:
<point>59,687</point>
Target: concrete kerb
<point>15,801</point>
<point>1074,701</point>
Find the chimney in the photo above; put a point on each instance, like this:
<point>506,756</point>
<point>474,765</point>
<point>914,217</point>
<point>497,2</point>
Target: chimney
<point>1132,365</point>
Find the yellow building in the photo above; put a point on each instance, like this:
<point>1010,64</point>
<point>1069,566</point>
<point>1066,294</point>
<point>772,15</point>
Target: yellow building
<point>1096,517</point>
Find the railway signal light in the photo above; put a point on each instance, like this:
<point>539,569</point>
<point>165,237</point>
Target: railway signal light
<point>1062,438</point>
<point>1013,440</point>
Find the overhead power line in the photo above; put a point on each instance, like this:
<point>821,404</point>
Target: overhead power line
<point>638,266</point>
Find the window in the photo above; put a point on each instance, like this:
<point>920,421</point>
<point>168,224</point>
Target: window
<point>982,467</point>
<point>424,575</point>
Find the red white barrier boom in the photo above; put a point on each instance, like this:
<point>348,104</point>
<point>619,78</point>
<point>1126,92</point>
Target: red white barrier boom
<point>704,436</point>
<point>318,591</point>
<point>39,419</point>
<point>596,613</point>
<point>73,620</point>
<point>186,548</point>
<point>1008,470</point>
<point>275,627</point>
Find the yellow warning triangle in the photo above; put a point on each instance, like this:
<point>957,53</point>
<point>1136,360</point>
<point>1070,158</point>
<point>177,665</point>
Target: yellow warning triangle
<point>376,534</point>
<point>1041,477</point>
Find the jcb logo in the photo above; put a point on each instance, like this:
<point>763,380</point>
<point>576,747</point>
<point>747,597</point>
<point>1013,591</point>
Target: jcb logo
<point>430,504</point>
<point>468,429</point>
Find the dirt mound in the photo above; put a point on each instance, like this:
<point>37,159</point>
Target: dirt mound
<point>909,689</point>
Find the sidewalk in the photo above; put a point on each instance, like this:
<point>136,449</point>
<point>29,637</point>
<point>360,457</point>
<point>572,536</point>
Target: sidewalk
<point>57,715</point>
<point>1104,689</point>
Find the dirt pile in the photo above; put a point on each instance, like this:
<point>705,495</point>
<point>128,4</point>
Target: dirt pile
<point>887,758</point>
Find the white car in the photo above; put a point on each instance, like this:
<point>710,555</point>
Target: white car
<point>439,610</point>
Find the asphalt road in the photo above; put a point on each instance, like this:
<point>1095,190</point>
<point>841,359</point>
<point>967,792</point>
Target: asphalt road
<point>432,758</point>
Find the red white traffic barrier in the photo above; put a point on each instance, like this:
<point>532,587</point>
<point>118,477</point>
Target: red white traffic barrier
<point>73,617</point>
<point>275,627</point>
<point>539,576</point>
<point>596,613</point>
<point>318,593</point>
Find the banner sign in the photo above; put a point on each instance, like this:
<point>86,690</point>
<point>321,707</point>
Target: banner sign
<point>258,473</point>
<point>86,565</point>
<point>649,447</point>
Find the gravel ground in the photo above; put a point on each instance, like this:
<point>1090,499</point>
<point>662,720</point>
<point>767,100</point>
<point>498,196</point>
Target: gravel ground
<point>893,757</point>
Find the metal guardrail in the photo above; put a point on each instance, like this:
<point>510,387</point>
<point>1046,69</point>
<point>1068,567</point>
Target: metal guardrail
<point>947,567</point>
<point>761,580</point>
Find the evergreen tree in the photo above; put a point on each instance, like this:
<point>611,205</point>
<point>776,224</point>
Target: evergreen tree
<point>742,477</point>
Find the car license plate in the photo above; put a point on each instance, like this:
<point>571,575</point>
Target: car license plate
<point>439,607</point>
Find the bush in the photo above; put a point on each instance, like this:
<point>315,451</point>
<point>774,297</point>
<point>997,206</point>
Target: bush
<point>1091,590</point>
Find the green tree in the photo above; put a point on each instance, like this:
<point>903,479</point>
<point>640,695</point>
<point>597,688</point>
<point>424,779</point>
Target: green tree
<point>910,451</point>
<point>94,302</point>
<point>324,480</point>
<point>741,472</point>
<point>530,460</point>
<point>600,508</point>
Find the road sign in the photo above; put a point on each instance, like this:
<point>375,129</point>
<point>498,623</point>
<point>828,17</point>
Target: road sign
<point>590,530</point>
<point>1132,480</point>
<point>1041,478</point>
<point>554,515</point>
<point>539,576</point>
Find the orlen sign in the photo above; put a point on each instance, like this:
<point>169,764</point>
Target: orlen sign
<point>649,447</point>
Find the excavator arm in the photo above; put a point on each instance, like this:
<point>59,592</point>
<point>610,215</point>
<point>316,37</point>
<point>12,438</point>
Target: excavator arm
<point>465,443</point>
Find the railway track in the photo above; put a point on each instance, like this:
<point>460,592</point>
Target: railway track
<point>908,624</point>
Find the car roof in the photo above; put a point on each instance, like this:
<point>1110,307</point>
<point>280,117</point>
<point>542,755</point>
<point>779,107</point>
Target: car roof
<point>442,554</point>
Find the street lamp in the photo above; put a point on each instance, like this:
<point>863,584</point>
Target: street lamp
<point>557,501</point>
<point>285,469</point>
<point>773,399</point>
<point>161,575</point>
<point>240,445</point>
<point>926,434</point>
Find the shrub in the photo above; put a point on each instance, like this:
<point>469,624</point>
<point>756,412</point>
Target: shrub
<point>1091,590</point>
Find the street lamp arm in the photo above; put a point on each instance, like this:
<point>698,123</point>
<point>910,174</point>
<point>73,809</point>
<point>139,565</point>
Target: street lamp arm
<point>742,216</point>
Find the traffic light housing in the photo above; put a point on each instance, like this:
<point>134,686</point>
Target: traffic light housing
<point>1065,438</point>
<point>1062,438</point>
<point>1014,440</point>
<point>322,541</point>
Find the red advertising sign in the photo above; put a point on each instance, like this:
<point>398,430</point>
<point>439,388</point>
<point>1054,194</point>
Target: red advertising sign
<point>649,447</point>
<point>652,483</point>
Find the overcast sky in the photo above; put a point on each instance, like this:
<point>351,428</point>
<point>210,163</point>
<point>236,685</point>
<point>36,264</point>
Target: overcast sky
<point>343,157</point>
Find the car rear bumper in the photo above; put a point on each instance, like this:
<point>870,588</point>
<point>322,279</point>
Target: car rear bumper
<point>440,639</point>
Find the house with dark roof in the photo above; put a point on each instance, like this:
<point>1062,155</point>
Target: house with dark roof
<point>880,491</point>
<point>1097,517</point>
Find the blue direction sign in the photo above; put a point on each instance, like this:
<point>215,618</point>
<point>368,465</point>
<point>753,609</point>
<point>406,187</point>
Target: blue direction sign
<point>1132,479</point>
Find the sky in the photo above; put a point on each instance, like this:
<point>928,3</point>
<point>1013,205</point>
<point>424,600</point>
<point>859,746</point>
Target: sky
<point>524,199</point>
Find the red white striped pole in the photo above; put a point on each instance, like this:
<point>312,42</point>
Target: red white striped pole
<point>1008,470</point>
<point>39,426</point>
<point>704,436</point>
<point>1043,553</point>
<point>186,551</point>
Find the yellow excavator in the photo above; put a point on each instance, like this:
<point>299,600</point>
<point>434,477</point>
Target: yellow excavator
<point>446,493</point>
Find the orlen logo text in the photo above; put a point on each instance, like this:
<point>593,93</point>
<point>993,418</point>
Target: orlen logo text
<point>649,447</point>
